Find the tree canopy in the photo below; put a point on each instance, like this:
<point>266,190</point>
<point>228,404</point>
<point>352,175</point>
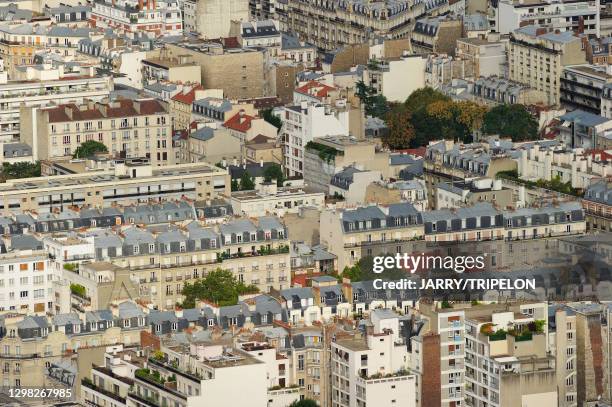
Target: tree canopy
<point>374,105</point>
<point>401,131</point>
<point>511,121</point>
<point>20,170</point>
<point>274,172</point>
<point>246,182</point>
<point>219,286</point>
<point>363,271</point>
<point>89,148</point>
<point>272,118</point>
<point>304,403</point>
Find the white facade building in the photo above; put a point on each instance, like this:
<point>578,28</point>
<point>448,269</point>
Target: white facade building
<point>26,282</point>
<point>302,124</point>
<point>155,16</point>
<point>397,79</point>
<point>558,15</point>
<point>372,370</point>
<point>43,87</point>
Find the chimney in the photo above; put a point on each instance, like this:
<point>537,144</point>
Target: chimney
<point>68,111</point>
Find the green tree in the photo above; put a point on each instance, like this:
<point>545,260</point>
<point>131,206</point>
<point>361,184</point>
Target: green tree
<point>304,403</point>
<point>246,182</point>
<point>421,98</point>
<point>89,148</point>
<point>20,170</point>
<point>272,118</point>
<point>235,186</point>
<point>219,286</point>
<point>374,105</point>
<point>274,172</point>
<point>400,128</point>
<point>511,121</point>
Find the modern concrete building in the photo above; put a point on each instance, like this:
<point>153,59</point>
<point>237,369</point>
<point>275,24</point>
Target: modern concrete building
<point>132,181</point>
<point>537,56</point>
<point>45,85</point>
<point>565,16</point>
<point>582,87</point>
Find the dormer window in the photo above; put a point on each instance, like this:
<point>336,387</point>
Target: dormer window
<point>158,328</point>
<point>211,322</point>
<point>239,238</point>
<point>136,249</point>
<point>232,321</point>
<point>93,326</point>
<point>175,326</point>
<point>76,328</point>
<point>127,323</point>
<point>183,247</point>
<point>151,248</point>
<point>268,235</point>
<point>168,248</point>
<point>264,319</point>
<point>281,234</point>
<point>213,243</point>
<point>141,321</point>
<point>253,237</point>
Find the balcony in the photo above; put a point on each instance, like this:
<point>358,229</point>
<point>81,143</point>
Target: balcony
<point>86,382</point>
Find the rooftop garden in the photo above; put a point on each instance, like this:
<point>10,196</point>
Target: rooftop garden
<point>78,290</point>
<point>554,185</point>
<point>325,153</point>
<point>520,332</point>
<point>401,372</point>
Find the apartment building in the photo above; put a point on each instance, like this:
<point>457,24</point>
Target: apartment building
<point>301,124</point>
<point>458,194</point>
<point>443,69</point>
<point>573,166</point>
<point>180,106</point>
<point>436,35</point>
<point>355,233</point>
<point>130,16</point>
<point>388,77</point>
<point>277,201</point>
<point>343,23</point>
<point>128,183</point>
<point>565,16</point>
<point>203,373</point>
<point>495,90</point>
<point>372,369</point>
<point>597,205</point>
<point>507,362</point>
<point>33,347</point>
<point>213,145</point>
<point>446,161</point>
<point>582,87</point>
<point>324,157</point>
<point>26,278</point>
<point>239,72</point>
<point>43,86</point>
<point>488,57</point>
<point>152,263</point>
<point>245,127</point>
<point>128,129</point>
<point>19,42</point>
<point>162,69</point>
<point>580,129</point>
<point>537,56</point>
<point>213,18</point>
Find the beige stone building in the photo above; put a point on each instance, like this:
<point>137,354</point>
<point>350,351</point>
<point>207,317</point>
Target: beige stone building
<point>206,144</point>
<point>369,231</point>
<point>238,71</point>
<point>180,106</point>
<point>348,22</point>
<point>262,148</point>
<point>436,34</point>
<point>537,56</point>
<point>128,128</point>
